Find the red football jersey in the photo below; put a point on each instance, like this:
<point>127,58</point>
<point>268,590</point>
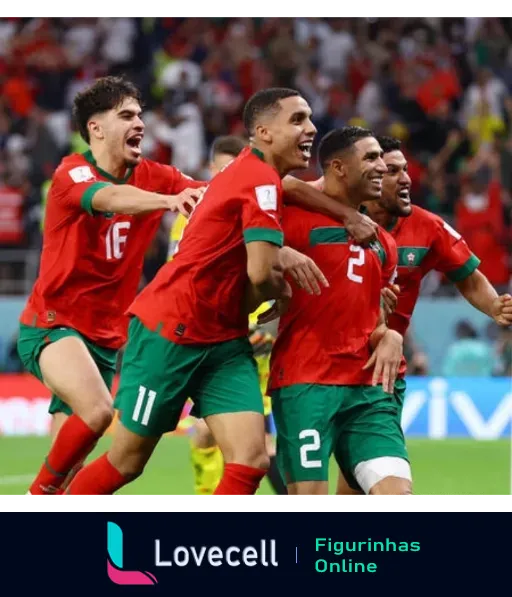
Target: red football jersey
<point>425,242</point>
<point>197,297</point>
<point>91,262</point>
<point>325,339</point>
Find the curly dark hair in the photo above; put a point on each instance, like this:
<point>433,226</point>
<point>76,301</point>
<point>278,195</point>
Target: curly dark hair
<point>105,94</point>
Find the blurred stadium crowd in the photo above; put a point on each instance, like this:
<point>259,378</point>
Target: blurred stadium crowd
<point>443,86</point>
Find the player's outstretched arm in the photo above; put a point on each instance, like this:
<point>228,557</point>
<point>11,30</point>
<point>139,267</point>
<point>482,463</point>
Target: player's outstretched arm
<point>362,228</point>
<point>127,199</point>
<point>480,293</point>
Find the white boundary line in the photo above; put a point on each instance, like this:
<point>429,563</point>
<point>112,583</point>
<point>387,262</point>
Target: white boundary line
<point>17,479</point>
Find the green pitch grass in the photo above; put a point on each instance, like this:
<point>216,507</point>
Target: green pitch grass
<point>449,467</point>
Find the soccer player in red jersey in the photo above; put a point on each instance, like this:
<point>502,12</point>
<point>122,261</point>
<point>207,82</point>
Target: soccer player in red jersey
<point>325,397</point>
<point>103,210</point>
<point>189,330</point>
<point>425,242</point>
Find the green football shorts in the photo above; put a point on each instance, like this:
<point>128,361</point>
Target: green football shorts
<point>355,423</point>
<point>32,340</point>
<point>158,376</point>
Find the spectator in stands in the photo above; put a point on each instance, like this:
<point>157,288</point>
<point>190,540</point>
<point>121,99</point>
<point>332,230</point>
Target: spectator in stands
<point>442,85</point>
<point>417,360</point>
<point>468,356</point>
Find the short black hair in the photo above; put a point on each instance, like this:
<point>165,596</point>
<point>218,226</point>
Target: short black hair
<point>389,143</point>
<point>265,100</point>
<point>228,144</point>
<point>339,140</point>
<point>103,95</point>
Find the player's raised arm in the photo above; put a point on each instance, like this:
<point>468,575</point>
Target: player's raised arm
<point>126,199</point>
<point>361,227</point>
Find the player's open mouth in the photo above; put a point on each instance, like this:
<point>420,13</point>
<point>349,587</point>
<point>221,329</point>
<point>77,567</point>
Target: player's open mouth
<point>134,143</point>
<point>377,183</point>
<point>404,196</point>
<point>305,149</point>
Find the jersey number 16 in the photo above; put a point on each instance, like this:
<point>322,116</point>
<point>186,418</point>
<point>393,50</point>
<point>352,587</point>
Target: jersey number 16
<point>115,240</point>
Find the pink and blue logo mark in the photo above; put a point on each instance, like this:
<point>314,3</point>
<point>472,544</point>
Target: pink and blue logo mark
<point>115,569</point>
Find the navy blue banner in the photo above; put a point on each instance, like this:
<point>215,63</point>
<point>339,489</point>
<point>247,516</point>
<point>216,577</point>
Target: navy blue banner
<point>246,553</point>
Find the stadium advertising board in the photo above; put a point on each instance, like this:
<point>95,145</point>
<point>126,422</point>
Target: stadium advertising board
<point>435,407</point>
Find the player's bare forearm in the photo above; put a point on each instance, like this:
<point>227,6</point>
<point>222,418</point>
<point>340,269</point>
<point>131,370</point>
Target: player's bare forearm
<point>385,359</point>
<point>256,294</point>
<point>264,269</point>
<point>479,292</point>
<point>126,199</point>
<point>379,331</point>
<point>253,298</point>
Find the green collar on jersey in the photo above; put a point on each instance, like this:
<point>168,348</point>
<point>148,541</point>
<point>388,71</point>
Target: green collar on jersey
<point>389,227</point>
<point>258,153</point>
<point>90,158</point>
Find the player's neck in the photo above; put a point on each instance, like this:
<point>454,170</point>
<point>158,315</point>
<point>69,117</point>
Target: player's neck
<point>107,163</point>
<point>339,193</point>
<point>270,159</point>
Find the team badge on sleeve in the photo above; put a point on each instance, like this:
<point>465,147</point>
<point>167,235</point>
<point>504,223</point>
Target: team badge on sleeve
<point>82,174</point>
<point>267,197</point>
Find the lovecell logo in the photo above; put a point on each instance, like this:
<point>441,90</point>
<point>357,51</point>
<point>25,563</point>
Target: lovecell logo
<point>115,570</point>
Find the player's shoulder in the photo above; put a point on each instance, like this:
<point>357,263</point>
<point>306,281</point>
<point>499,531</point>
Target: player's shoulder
<point>294,214</point>
<point>74,168</point>
<point>419,228</point>
<point>423,216</point>
<point>433,224</point>
<point>148,166</point>
<point>252,163</point>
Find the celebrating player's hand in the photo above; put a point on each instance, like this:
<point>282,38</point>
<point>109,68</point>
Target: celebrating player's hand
<point>502,310</point>
<point>186,200</point>
<point>386,360</point>
<point>390,298</point>
<point>304,271</point>
<point>361,228</point>
<point>279,307</point>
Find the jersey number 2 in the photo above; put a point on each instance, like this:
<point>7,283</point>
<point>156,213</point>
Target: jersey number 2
<point>306,449</point>
<point>116,240</point>
<point>353,261</point>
